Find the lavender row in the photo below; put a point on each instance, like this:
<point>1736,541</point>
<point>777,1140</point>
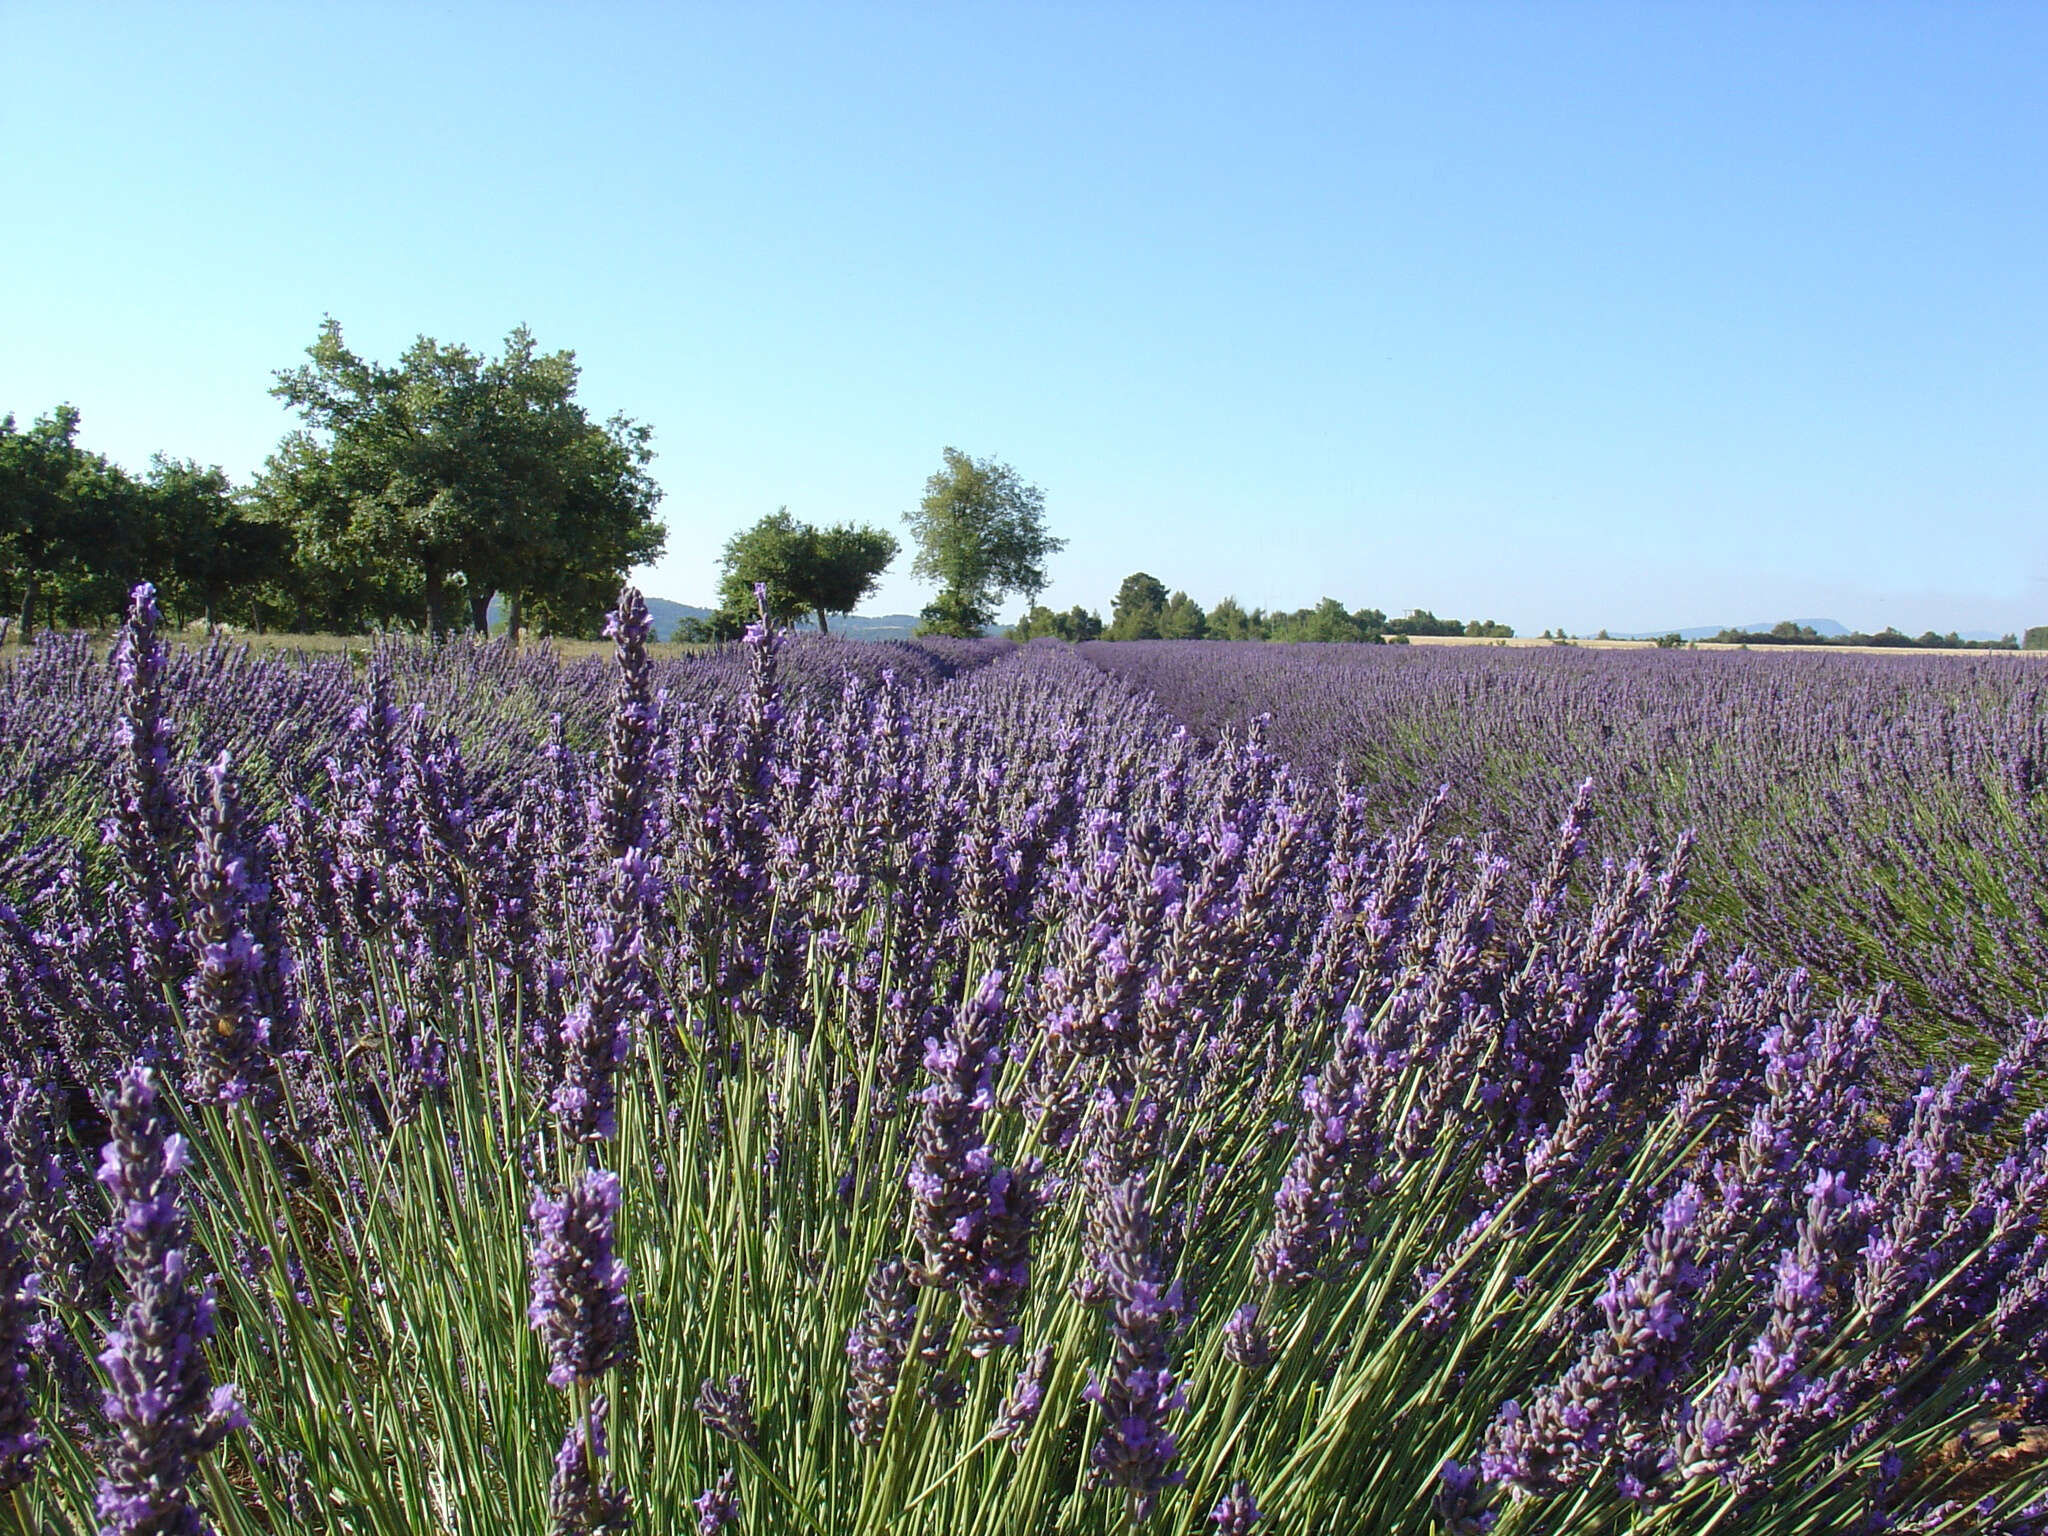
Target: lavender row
<point>1879,820</point>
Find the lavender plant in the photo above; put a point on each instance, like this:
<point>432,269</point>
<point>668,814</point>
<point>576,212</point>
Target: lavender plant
<point>809,1090</point>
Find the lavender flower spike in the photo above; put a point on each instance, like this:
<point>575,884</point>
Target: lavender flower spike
<point>20,1445</point>
<point>1136,1448</point>
<point>729,1410</point>
<point>877,1348</point>
<point>1565,1433</point>
<point>717,1506</point>
<point>581,1503</point>
<point>1020,1409</point>
<point>162,1408</point>
<point>1235,1513</point>
<point>230,1037</point>
<point>629,748</point>
<point>579,1304</point>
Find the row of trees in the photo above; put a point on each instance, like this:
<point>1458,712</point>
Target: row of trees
<point>1144,610</point>
<point>1786,632</point>
<point>77,531</point>
<point>980,532</point>
<point>410,495</point>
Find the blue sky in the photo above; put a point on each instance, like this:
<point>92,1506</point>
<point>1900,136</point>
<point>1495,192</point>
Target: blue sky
<point>1622,316</point>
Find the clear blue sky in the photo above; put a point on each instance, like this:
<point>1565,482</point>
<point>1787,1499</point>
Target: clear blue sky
<point>1620,316</point>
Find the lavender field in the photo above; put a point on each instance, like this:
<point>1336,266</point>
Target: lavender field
<point>964,1088</point>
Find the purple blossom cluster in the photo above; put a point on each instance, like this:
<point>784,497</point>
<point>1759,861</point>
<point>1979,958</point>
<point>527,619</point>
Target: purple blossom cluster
<point>579,1306</point>
<point>162,1409</point>
<point>1139,1392</point>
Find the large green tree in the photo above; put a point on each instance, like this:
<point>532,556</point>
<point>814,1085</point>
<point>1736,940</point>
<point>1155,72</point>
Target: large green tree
<point>1134,613</point>
<point>211,552</point>
<point>42,523</point>
<point>804,570</point>
<point>981,536</point>
<point>453,477</point>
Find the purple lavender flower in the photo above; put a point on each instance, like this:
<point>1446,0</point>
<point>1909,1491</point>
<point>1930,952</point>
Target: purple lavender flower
<point>1564,1433</point>
<point>994,1289</point>
<point>1460,1500</point>
<point>20,1445</point>
<point>717,1506</point>
<point>1723,1422</point>
<point>579,1304</point>
<point>728,1410</point>
<point>623,792</point>
<point>145,824</point>
<point>1135,1450</point>
<point>877,1347</point>
<point>229,1038</point>
<point>162,1409</point>
<point>951,1165</point>
<point>578,1497</point>
<point>973,1219</point>
<point>1020,1409</point>
<point>1336,1128</point>
<point>1246,1344</point>
<point>1235,1513</point>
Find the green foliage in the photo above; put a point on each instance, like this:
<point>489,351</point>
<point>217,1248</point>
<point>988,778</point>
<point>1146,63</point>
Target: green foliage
<point>1785,632</point>
<point>453,477</point>
<point>807,571</point>
<point>43,527</point>
<point>955,613</point>
<point>1182,619</point>
<point>981,535</point>
<point>720,626</point>
<point>1670,642</point>
<point>1041,623</point>
<point>2036,638</point>
<point>1421,621</point>
<point>1134,615</point>
<point>1228,621</point>
<point>1329,622</point>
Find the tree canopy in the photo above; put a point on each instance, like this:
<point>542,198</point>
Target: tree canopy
<point>1134,613</point>
<point>981,535</point>
<point>77,531</point>
<point>455,477</point>
<point>805,570</point>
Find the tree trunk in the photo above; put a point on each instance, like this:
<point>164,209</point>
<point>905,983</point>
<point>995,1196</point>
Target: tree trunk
<point>437,603</point>
<point>821,623</point>
<point>480,610</point>
<point>32,588</point>
<point>515,615</point>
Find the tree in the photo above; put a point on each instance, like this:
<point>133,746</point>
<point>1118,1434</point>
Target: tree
<point>453,476</point>
<point>805,570</point>
<point>1182,619</point>
<point>1134,614</point>
<point>1229,621</point>
<point>1041,623</point>
<point>42,529</point>
<point>981,535</point>
<point>209,547</point>
<point>2036,638</point>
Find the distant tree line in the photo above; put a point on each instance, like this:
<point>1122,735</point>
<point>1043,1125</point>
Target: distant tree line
<point>2036,639</point>
<point>1143,609</point>
<point>411,496</point>
<point>1789,633</point>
